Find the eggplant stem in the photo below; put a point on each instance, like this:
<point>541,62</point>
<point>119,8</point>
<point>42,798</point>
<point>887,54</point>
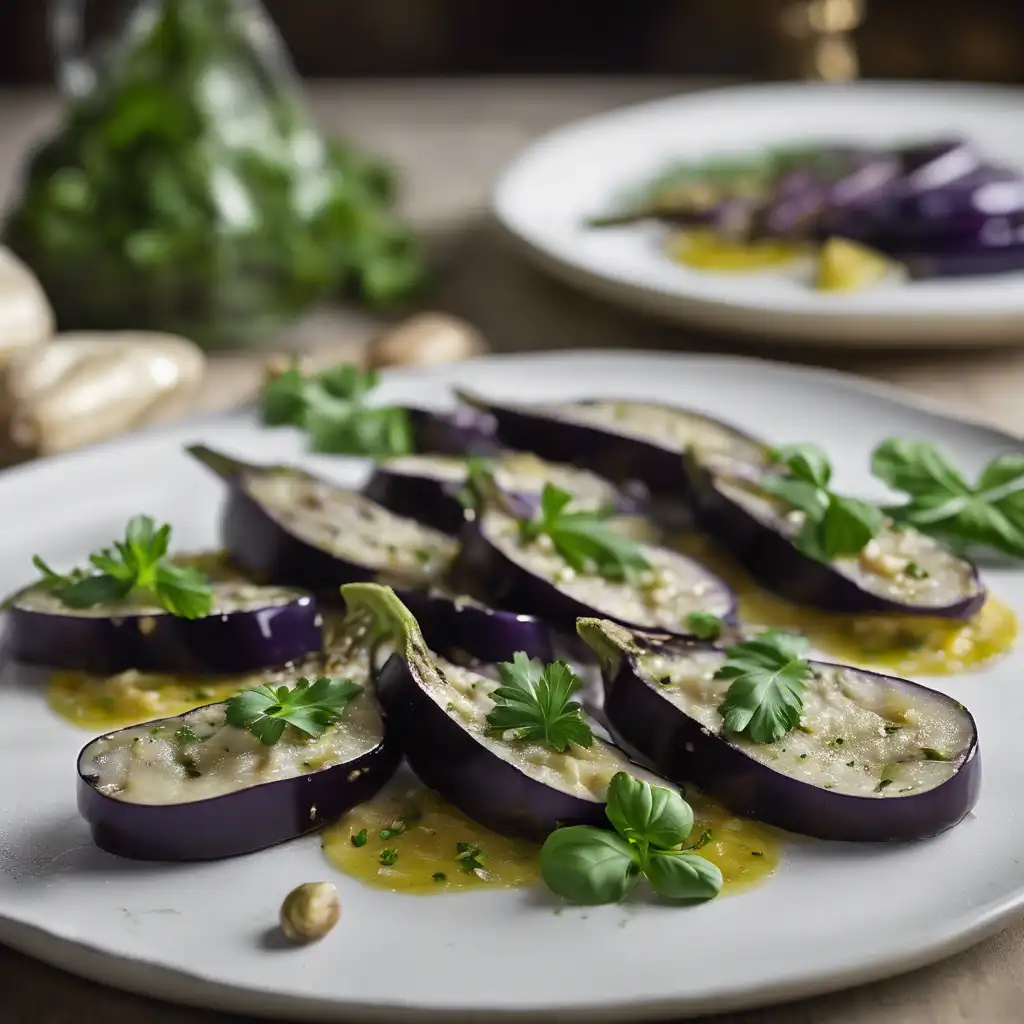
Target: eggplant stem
<point>608,640</point>
<point>223,465</point>
<point>391,619</point>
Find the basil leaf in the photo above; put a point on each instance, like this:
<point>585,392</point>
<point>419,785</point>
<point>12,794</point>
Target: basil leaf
<point>94,590</point>
<point>588,865</point>
<point>682,876</point>
<point>846,527</point>
<point>648,814</point>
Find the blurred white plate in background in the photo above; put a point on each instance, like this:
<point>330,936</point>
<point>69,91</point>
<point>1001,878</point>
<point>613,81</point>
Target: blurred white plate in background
<point>576,172</point>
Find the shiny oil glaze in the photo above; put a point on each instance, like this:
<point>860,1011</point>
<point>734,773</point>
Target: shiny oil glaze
<point>907,645</point>
<point>433,834</point>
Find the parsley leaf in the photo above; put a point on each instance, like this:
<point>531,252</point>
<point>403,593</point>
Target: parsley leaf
<point>533,702</point>
<point>704,625</point>
<point>310,706</point>
<point>583,538</point>
<point>942,503</point>
<point>834,525</point>
<point>330,405</point>
<point>137,563</point>
<point>768,676</point>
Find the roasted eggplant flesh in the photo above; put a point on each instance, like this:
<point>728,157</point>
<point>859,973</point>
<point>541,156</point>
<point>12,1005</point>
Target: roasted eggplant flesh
<point>349,526</point>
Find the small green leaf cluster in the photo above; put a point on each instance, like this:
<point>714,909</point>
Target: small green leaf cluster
<point>592,866</point>
<point>331,406</point>
<point>583,537</point>
<point>139,564</point>
<point>833,525</point>
<point>311,705</point>
<point>534,703</point>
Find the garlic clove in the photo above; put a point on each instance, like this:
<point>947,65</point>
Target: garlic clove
<point>427,338</point>
<point>85,387</point>
<point>26,318</point>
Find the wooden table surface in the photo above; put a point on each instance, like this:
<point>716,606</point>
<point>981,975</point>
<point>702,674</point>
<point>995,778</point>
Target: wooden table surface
<point>451,139</point>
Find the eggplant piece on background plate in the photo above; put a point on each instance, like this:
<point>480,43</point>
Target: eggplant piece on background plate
<point>899,572</point>
<point>459,431</point>
<point>193,787</point>
<point>874,758</point>
<point>438,710</point>
<point>429,488</point>
<point>532,576</point>
<point>621,440</point>
<point>249,628</point>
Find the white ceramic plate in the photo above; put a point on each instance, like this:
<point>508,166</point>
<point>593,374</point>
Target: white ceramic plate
<point>833,915</point>
<point>576,172</point>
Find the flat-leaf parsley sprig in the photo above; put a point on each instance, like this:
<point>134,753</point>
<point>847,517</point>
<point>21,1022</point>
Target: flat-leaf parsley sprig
<point>834,525</point>
<point>138,564</point>
<point>769,675</point>
<point>534,702</point>
<point>940,501</point>
<point>583,537</point>
<point>331,406</point>
<point>593,865</point>
<point>311,705</point>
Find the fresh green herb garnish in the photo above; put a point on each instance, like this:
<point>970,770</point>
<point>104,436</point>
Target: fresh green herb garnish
<point>388,857</point>
<point>397,829</point>
<point>705,838</point>
<point>479,480</point>
<point>470,857</point>
<point>331,406</point>
<point>989,514</point>
<point>360,838</point>
<point>185,736</point>
<point>136,564</point>
<point>768,676</point>
<point>834,525</point>
<point>704,625</point>
<point>890,729</point>
<point>915,572</point>
<point>310,706</point>
<point>583,537</point>
<point>593,865</point>
<point>534,703</point>
<point>931,754</point>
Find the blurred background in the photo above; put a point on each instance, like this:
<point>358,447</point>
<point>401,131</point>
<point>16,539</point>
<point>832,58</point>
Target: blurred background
<point>983,40</point>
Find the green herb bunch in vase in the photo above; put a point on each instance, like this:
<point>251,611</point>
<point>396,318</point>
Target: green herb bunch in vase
<point>187,188</point>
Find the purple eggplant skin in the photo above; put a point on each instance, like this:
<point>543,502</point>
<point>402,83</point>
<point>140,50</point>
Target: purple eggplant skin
<point>776,563</point>
<point>459,431</point>
<point>262,547</point>
<point>508,585</point>
<point>447,758</point>
<point>456,626</point>
<point>617,457</point>
<point>425,498</point>
<point>681,749</point>
<point>220,644</point>
<point>235,823</point>
<point>924,266</point>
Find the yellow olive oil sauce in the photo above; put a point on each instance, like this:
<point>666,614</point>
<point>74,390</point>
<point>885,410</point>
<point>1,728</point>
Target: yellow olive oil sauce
<point>114,702</point>
<point>908,645</point>
<point>706,250</point>
<point>431,847</point>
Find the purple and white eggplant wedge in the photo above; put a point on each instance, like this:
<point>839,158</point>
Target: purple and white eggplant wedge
<point>622,441</point>
<point>195,787</point>
<point>285,526</point>
<point>899,571</point>
<point>428,488</point>
<point>532,576</point>
<point>249,628</point>
<point>438,712</point>
<point>873,757</point>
